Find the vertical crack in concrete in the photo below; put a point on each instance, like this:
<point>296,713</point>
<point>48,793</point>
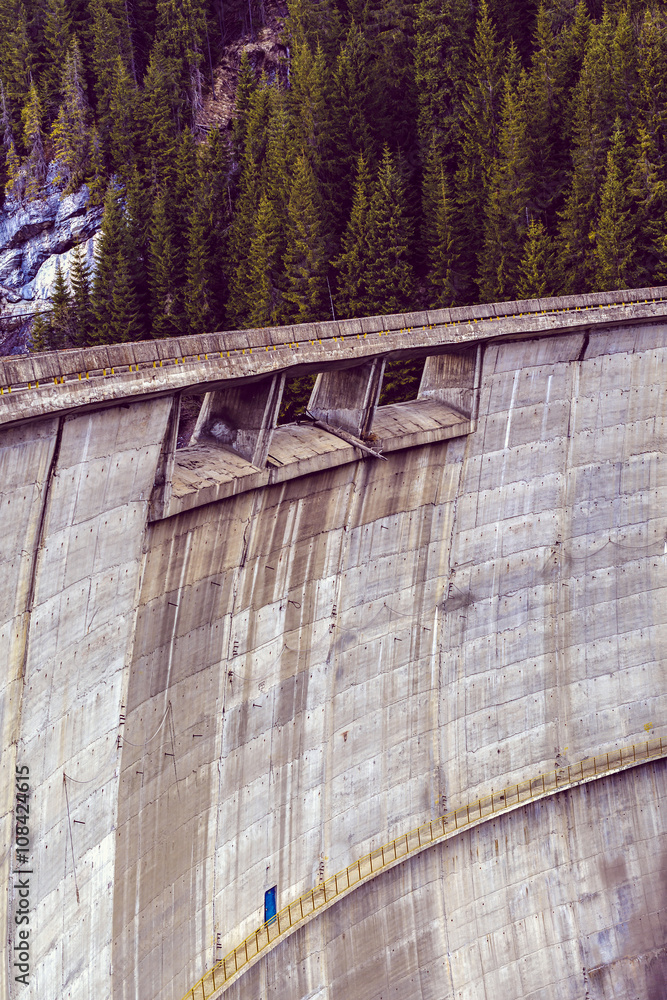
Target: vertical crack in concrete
<point>39,542</point>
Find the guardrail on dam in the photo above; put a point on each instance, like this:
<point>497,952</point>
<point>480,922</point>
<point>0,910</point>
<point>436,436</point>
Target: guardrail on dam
<point>236,667</point>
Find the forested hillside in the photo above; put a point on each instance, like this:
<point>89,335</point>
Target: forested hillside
<point>411,154</point>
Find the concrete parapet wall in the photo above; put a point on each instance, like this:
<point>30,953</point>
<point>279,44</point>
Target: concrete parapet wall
<point>254,691</point>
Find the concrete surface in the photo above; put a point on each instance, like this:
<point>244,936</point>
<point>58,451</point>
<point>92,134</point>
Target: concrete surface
<point>298,663</point>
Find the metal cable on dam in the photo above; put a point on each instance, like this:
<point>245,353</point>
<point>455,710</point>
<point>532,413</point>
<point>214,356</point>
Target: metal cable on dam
<point>240,664</point>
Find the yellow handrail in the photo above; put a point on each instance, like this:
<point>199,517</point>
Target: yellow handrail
<point>408,843</point>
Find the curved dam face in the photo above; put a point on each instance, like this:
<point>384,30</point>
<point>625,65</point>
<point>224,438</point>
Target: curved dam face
<point>250,686</point>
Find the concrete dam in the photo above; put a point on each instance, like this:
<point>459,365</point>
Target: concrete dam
<point>235,669</point>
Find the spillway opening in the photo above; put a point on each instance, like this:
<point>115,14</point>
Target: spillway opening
<point>295,398</point>
<point>190,407</point>
<point>401,381</point>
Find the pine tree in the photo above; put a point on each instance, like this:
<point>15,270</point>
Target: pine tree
<point>352,263</point>
<point>306,257</point>
<point>108,252</point>
<point>96,179</point>
<point>40,333</point>
<point>442,45</point>
<point>546,105</point>
<point>70,133</point>
<point>245,85</point>
<point>593,119</point>
<point>538,267</point>
<point>652,64</point>
<point>81,297</point>
<point>614,238</point>
<point>157,125</point>
<point>390,276</point>
<point>15,177</point>
<point>57,39</point>
<point>199,296</point>
<point>33,139</point>
<point>61,315</point>
<point>138,208</point>
<point>123,106</point>
<point>126,322</point>
<point>17,59</point>
<point>353,104</point>
<point>625,69</point>
<point>108,30</point>
<point>264,272</point>
<point>215,179</point>
<point>314,23</point>
<point>508,195</point>
<point>479,146</point>
<point>437,231</point>
<point>161,256</point>
<point>180,31</point>
<point>649,193</point>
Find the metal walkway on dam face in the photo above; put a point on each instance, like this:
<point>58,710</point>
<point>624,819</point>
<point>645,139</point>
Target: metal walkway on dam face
<point>287,920</point>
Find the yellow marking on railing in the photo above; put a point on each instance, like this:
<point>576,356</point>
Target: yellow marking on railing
<point>432,831</point>
<point>79,376</point>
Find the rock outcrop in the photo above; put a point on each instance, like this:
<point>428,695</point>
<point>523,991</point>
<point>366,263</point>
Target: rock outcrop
<point>34,236</point>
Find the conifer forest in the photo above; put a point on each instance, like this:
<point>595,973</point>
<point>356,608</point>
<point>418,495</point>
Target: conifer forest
<point>407,154</point>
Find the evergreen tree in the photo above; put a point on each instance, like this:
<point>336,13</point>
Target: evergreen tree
<point>306,256</point>
<point>614,250</point>
<point>245,85</point>
<point>61,315</point>
<point>33,140</point>
<point>70,134</point>
<point>593,120</point>
<point>264,270</point>
<point>314,23</point>
<point>437,232</point>
<point>649,193</point>
<point>442,44</point>
<point>40,334</point>
<point>180,31</point>
<point>123,107</point>
<point>108,38</point>
<point>506,216</point>
<point>215,180</point>
<point>479,146</point>
<point>126,321</point>
<point>81,297</point>
<point>625,69</point>
<point>96,179</point>
<point>109,249</point>
<point>17,64</point>
<point>352,263</point>
<point>390,276</point>
<point>161,255</point>
<point>537,269</point>
<point>15,177</point>
<point>652,68</point>
<point>353,106</point>
<point>157,126</point>
<point>546,106</point>
<point>57,39</point>
<point>137,221</point>
<point>199,294</point>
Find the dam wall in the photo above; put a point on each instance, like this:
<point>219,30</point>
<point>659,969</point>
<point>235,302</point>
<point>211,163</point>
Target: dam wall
<point>226,677</point>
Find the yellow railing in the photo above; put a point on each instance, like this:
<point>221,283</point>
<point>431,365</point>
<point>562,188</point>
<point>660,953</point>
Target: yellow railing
<point>434,830</point>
